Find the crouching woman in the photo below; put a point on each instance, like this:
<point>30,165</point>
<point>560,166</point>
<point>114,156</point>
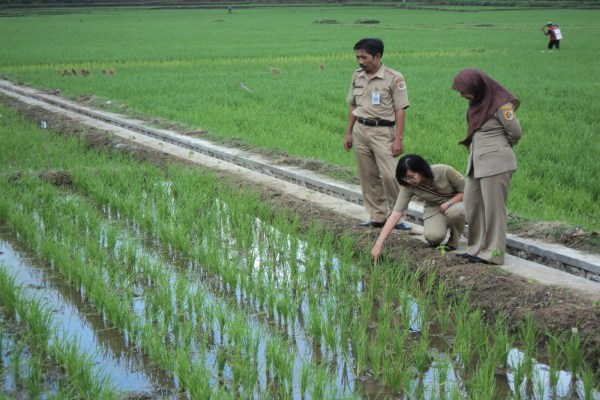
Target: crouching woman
<point>441,187</point>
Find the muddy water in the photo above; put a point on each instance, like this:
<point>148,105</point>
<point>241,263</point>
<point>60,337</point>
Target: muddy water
<point>126,367</point>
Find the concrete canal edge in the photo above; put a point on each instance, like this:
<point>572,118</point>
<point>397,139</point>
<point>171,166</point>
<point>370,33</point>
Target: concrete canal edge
<point>547,263</point>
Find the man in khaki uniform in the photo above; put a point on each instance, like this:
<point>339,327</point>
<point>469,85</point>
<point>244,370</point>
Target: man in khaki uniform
<point>378,100</point>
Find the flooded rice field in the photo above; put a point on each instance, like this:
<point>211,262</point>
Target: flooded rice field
<point>294,340</point>
<point>123,279</point>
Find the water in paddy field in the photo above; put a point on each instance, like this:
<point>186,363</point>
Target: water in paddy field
<point>129,371</point>
<point>126,368</point>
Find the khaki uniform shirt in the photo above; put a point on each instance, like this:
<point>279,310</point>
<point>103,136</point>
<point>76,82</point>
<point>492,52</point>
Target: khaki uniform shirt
<point>447,182</point>
<point>390,87</point>
<point>491,151</point>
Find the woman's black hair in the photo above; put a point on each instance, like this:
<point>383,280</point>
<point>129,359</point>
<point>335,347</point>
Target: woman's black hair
<point>415,163</point>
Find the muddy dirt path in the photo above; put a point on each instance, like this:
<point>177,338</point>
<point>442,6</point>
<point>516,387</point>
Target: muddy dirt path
<point>555,310</point>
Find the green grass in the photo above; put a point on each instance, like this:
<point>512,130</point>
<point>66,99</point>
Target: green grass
<point>186,66</point>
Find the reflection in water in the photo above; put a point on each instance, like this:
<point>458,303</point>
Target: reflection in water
<point>74,318</point>
<point>539,386</point>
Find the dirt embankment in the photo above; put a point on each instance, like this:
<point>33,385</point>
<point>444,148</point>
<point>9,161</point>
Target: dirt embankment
<point>494,291</point>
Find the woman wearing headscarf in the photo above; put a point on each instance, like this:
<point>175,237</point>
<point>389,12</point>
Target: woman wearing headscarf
<point>493,130</point>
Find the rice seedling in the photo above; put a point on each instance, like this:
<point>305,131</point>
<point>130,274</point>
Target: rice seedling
<point>502,341</point>
<point>527,335</point>
<point>553,350</point>
<point>16,359</point>
<point>482,383</point>
<point>587,382</point>
<point>359,340</point>
<point>420,354</point>
<point>34,380</point>
<point>442,366</point>
<point>84,377</point>
<point>572,350</point>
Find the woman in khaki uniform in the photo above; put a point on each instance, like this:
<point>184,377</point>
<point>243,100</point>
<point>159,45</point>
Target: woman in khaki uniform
<point>493,130</point>
<point>441,187</point>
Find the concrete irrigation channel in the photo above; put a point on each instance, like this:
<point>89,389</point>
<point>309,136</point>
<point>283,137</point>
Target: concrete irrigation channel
<point>547,263</point>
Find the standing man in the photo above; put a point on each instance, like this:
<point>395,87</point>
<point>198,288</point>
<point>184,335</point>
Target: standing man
<point>378,100</point>
<point>553,31</point>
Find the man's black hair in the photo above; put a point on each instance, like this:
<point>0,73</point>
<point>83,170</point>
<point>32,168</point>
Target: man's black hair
<point>372,46</point>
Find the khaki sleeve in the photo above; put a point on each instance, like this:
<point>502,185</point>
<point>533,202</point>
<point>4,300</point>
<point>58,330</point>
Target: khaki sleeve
<point>404,197</point>
<point>456,179</point>
<point>350,99</point>
<point>400,93</point>
<point>507,117</point>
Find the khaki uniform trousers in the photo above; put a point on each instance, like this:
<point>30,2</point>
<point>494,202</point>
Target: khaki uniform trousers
<point>485,202</point>
<point>376,168</point>
<point>436,226</point>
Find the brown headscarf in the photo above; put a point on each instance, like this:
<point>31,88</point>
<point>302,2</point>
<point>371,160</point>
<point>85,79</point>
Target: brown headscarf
<point>489,96</point>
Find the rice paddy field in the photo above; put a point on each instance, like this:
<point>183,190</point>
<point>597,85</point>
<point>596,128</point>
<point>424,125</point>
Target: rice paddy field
<point>123,279</point>
<point>276,78</point>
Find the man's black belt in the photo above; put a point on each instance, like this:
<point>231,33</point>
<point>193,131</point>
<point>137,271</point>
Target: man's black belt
<point>376,122</point>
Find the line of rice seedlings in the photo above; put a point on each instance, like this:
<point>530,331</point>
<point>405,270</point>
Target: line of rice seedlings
<point>272,297</point>
<point>91,289</point>
<point>82,374</point>
<point>222,325</point>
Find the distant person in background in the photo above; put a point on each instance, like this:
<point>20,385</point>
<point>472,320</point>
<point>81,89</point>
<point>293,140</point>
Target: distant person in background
<point>378,99</point>
<point>441,187</point>
<point>493,130</point>
<point>229,8</point>
<point>553,31</point>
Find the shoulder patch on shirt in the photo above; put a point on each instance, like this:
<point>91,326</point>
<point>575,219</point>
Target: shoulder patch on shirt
<point>509,115</point>
<point>456,174</point>
<point>401,84</point>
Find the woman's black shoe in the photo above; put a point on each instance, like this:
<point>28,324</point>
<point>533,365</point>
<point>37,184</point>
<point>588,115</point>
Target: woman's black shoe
<point>372,224</point>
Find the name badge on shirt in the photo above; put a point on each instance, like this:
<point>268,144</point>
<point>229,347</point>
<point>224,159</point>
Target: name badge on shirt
<point>375,98</point>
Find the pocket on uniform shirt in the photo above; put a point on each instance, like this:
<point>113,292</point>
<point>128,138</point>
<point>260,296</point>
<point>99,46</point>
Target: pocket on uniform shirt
<point>358,91</point>
<point>486,150</point>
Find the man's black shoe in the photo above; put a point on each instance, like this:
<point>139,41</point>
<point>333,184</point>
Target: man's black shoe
<point>464,255</point>
<point>372,224</point>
